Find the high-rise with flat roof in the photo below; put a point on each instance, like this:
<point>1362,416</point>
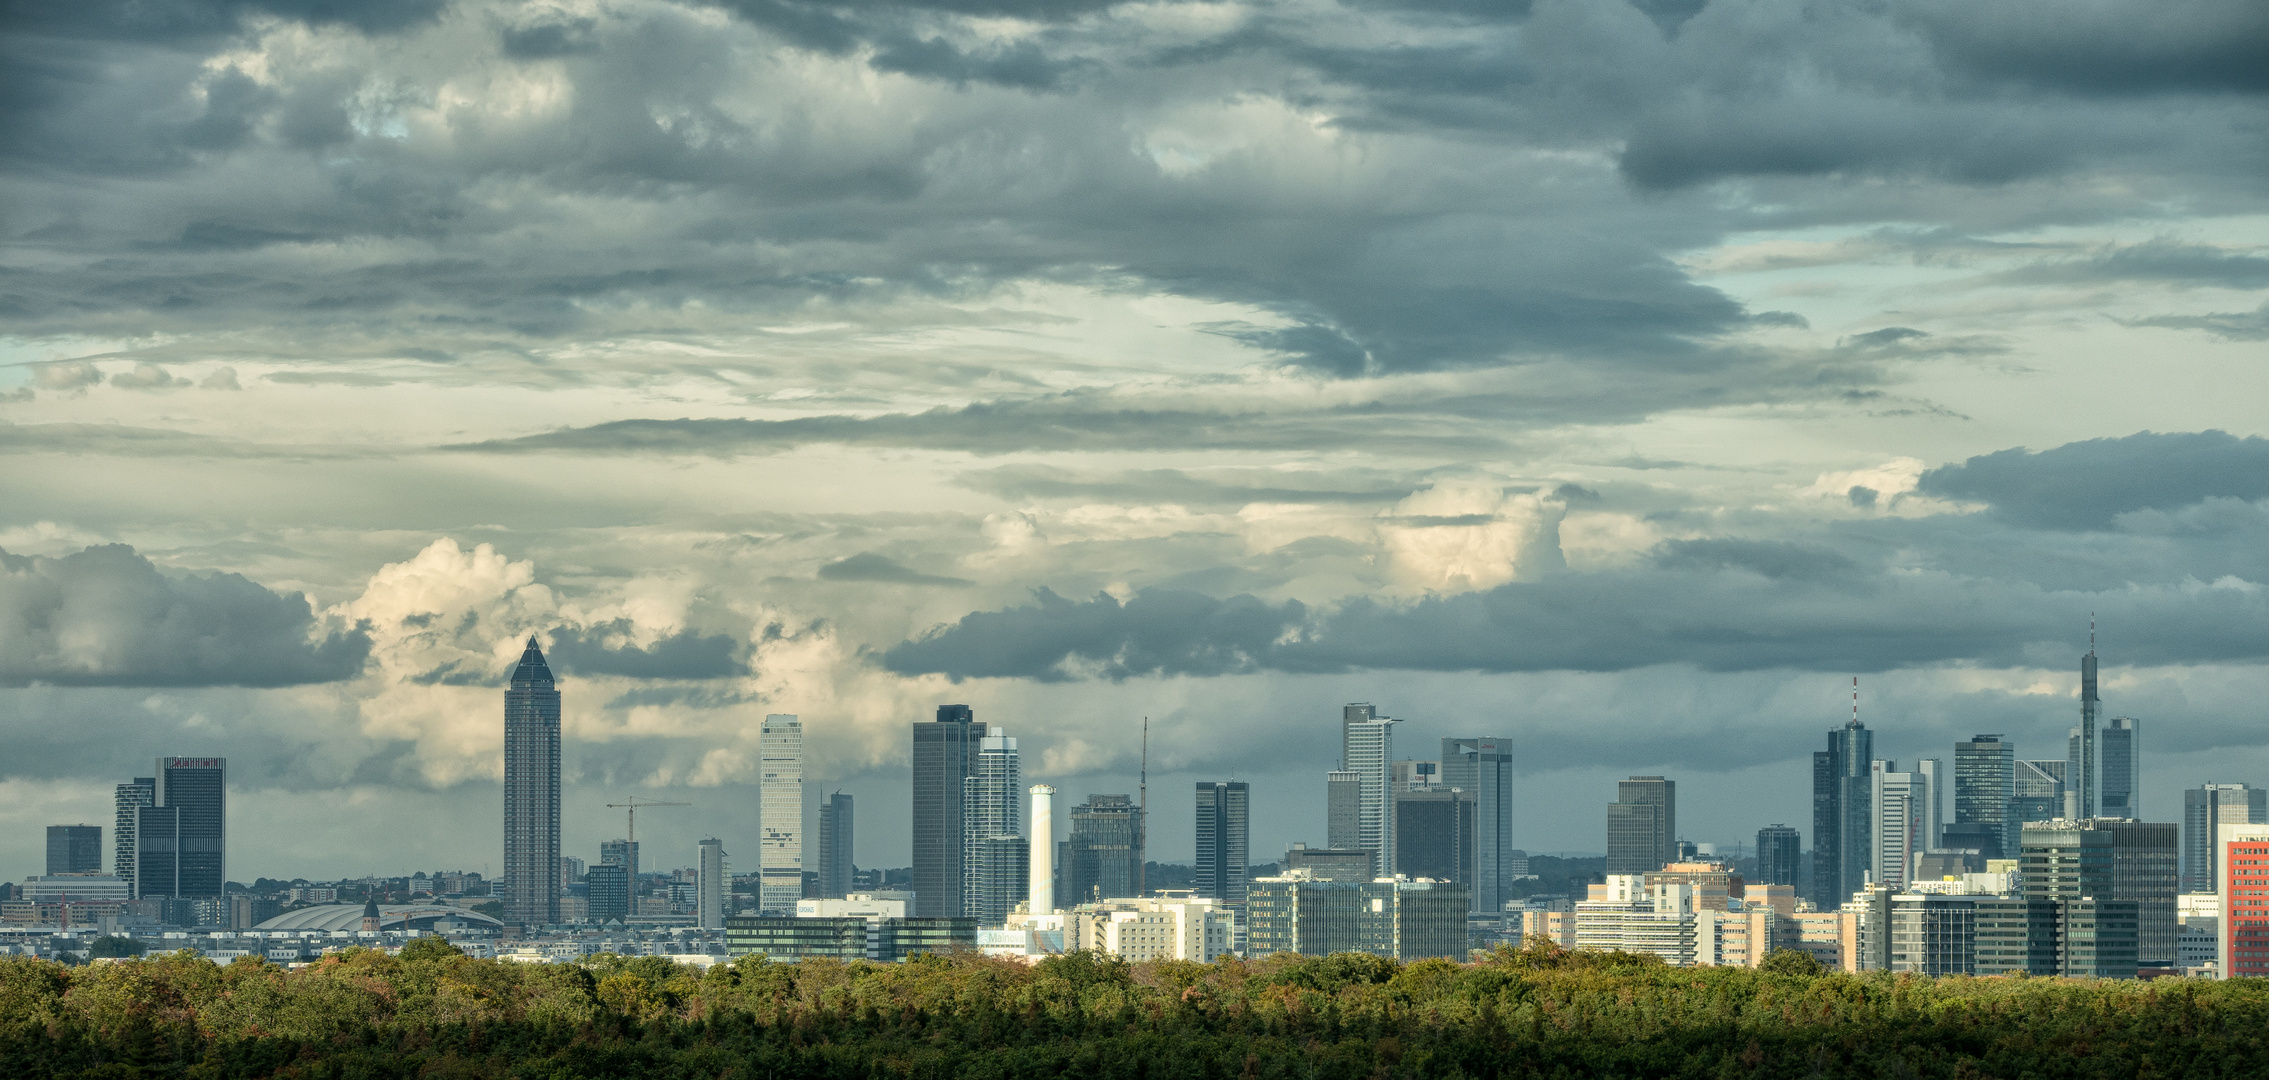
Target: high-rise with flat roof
<point>1985,782</point>
<point>531,792</point>
<point>1906,817</point>
<point>2204,811</point>
<point>836,863</point>
<point>74,849</point>
<point>195,792</point>
<point>1434,834</point>
<point>128,800</point>
<point>995,858</point>
<point>945,754</point>
<point>1483,767</point>
<point>1223,840</point>
<point>2121,754</point>
<point>1779,848</point>
<point>2037,793</point>
<point>1368,752</point>
<point>780,854</point>
<point>712,885</point>
<point>1101,858</point>
<point>1642,825</point>
<point>1343,810</point>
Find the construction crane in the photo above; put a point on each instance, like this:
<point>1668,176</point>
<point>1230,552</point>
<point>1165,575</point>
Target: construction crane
<point>633,806</point>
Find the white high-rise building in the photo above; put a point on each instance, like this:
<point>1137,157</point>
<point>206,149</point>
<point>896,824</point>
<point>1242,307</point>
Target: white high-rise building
<point>1368,752</point>
<point>995,864</point>
<point>780,860</point>
<point>711,886</point>
<point>1906,818</point>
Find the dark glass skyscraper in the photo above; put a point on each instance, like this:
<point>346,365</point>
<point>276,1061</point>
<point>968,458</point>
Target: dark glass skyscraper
<point>2121,764</point>
<point>181,842</point>
<point>1102,858</point>
<point>74,849</point>
<point>1435,834</point>
<point>1843,834</point>
<point>1778,850</point>
<point>1642,825</point>
<point>2080,758</point>
<point>1985,783</point>
<point>835,861</point>
<point>1484,767</point>
<point>945,754</point>
<point>531,793</point>
<point>1224,835</point>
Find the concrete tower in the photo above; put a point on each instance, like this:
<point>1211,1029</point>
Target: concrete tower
<point>1042,887</point>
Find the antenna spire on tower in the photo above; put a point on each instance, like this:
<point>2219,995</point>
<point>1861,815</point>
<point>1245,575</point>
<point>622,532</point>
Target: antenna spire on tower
<point>2091,633</point>
<point>1855,701</point>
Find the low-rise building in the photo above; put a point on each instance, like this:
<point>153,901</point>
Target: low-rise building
<point>1390,916</point>
<point>1153,928</point>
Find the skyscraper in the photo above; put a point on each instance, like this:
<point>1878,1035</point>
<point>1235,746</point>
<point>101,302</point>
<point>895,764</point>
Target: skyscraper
<point>1842,815</point>
<point>996,858</point>
<point>607,885</point>
<point>531,792</point>
<point>622,853</point>
<point>1906,818</point>
<point>195,792</point>
<point>2122,773</point>
<point>1484,767</point>
<point>1223,840</point>
<point>1778,850</point>
<point>2037,793</point>
<point>1985,782</point>
<point>711,885</point>
<point>2204,811</point>
<point>1434,834</point>
<point>945,753</point>
<point>836,861</point>
<point>2080,757</point>
<point>1642,825</point>
<point>780,855</point>
<point>74,849</point>
<point>129,800</point>
<point>1343,810</point>
<point>1368,752</point>
<point>1101,857</point>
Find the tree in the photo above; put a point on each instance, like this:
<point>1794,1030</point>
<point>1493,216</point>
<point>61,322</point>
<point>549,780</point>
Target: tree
<point>1791,962</point>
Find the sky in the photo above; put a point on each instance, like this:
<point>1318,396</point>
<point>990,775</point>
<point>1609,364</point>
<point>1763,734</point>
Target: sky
<point>1621,378</point>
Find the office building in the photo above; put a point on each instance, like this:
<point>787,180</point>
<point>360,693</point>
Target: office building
<point>995,859</point>
<point>531,792</point>
<point>128,800</point>
<point>2080,790</point>
<point>2204,811</point>
<point>1985,784</point>
<point>1343,809</point>
<point>1102,855</point>
<point>1367,750</point>
<point>180,842</point>
<point>1642,825</point>
<point>2121,766</point>
<point>1779,849</point>
<point>1906,818</point>
<point>789,938</point>
<point>2145,868</point>
<point>892,941</point>
<point>622,853</point>
<point>607,892</point>
<point>1710,886</point>
<point>872,906</point>
<point>712,887</point>
<point>1329,864</point>
<point>945,755</point>
<point>1483,767</point>
<point>2242,852</point>
<point>780,856</point>
<point>2075,864</point>
<point>1413,775</point>
<point>835,862</point>
<point>1623,914</point>
<point>1140,930</point>
<point>2037,794</point>
<point>1392,917</point>
<point>1434,834</point>
<point>1224,833</point>
<point>74,849</point>
<point>1842,816</point>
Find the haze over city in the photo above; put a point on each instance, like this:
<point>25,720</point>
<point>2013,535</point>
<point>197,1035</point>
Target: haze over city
<point>1616,379</point>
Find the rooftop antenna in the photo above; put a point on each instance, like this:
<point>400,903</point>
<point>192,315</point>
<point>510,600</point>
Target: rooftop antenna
<point>1142,828</point>
<point>1855,701</point>
<point>2091,633</point>
<point>633,806</point>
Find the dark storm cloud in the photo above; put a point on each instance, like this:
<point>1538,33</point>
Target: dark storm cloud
<point>2104,46</point>
<point>2085,485</point>
<point>869,566</point>
<point>106,617</point>
<point>686,654</point>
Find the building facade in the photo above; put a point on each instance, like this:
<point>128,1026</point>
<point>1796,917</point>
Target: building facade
<point>1906,818</point>
<point>2038,795</point>
<point>1390,917</point>
<point>1343,810</point>
<point>995,858</point>
<point>2080,757</point>
<point>1329,864</point>
<point>836,864</point>
<point>1642,825</point>
<point>128,800</point>
<point>1779,853</point>
<point>607,893</point>
<point>1842,821</point>
<point>1985,783</point>
<point>1139,930</point>
<point>945,754</point>
<point>1102,856</point>
<point>531,792</point>
<point>2242,851</point>
<point>1483,767</point>
<point>1224,837</point>
<point>1434,834</point>
<point>1368,752</point>
<point>780,853</point>
<point>2121,793</point>
<point>74,849</point>
<point>713,885</point>
<point>2204,811</point>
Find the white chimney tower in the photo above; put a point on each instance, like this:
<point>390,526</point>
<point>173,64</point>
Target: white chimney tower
<point>1043,898</point>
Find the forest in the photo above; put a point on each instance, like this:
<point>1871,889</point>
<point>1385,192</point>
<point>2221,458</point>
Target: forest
<point>1535,1012</point>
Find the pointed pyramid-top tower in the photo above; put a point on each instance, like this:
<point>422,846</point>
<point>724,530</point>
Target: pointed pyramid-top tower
<point>532,672</point>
